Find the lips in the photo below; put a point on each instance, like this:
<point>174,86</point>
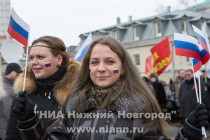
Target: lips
<point>102,77</point>
<point>36,69</point>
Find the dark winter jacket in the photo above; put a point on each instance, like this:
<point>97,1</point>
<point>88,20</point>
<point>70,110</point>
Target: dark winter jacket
<point>159,91</point>
<point>5,104</point>
<point>47,97</point>
<point>187,97</point>
<point>93,125</point>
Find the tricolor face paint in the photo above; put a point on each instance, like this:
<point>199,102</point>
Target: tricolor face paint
<point>47,64</point>
<point>115,70</point>
<point>42,61</point>
<point>105,66</point>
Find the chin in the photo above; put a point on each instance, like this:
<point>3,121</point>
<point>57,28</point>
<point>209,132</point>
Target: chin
<point>39,76</point>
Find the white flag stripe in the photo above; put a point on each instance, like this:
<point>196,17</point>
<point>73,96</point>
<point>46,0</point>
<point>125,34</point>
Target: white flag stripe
<point>185,38</point>
<point>20,21</point>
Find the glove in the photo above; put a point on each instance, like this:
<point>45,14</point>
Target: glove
<point>197,118</point>
<point>23,108</point>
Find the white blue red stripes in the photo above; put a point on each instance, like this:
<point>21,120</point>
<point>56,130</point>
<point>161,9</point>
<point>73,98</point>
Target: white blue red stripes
<point>47,64</point>
<point>203,44</point>
<point>115,70</point>
<point>196,65</point>
<point>186,46</point>
<point>18,29</point>
<point>201,37</point>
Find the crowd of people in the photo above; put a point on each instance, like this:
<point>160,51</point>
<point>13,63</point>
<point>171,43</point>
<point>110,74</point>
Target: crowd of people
<point>104,93</point>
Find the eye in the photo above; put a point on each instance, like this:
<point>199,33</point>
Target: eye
<point>40,57</point>
<point>110,62</point>
<point>93,62</point>
<point>31,58</point>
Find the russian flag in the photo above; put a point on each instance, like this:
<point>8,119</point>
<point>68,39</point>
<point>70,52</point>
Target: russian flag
<point>203,43</point>
<point>186,45</point>
<point>196,65</point>
<point>84,48</point>
<point>18,29</point>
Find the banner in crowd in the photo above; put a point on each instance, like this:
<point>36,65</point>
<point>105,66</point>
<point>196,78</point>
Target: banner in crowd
<point>161,54</point>
<point>148,65</point>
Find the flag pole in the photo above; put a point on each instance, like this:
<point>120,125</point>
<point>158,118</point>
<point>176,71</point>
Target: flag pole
<point>196,89</point>
<point>202,128</point>
<point>26,64</point>
<point>198,98</point>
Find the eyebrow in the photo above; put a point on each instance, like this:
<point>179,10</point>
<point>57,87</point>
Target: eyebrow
<point>105,58</point>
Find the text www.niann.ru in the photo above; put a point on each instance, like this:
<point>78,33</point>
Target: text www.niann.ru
<point>104,130</point>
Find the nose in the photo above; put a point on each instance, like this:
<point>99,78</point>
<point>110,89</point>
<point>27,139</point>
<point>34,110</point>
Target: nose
<point>101,67</point>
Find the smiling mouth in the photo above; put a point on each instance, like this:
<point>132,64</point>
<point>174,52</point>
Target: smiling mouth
<point>102,77</point>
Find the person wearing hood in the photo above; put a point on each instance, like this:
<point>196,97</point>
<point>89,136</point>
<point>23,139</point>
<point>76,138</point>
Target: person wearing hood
<point>159,90</point>
<point>49,79</point>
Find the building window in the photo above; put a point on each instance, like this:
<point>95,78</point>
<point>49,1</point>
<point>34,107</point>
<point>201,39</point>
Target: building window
<point>136,59</point>
<point>117,34</point>
<point>158,29</point>
<point>200,24</point>
<point>187,59</point>
<point>136,33</point>
<point>183,26</point>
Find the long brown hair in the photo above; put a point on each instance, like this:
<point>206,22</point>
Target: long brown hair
<point>132,81</point>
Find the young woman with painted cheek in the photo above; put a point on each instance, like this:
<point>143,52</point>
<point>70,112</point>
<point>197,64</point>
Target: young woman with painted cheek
<point>50,77</point>
<point>108,86</point>
<point>42,61</point>
<point>105,66</point>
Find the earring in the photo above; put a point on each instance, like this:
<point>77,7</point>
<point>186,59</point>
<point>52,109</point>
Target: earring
<point>58,66</point>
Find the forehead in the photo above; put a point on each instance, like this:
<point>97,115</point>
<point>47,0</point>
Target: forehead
<point>181,71</point>
<point>40,50</point>
<point>188,72</point>
<point>102,50</point>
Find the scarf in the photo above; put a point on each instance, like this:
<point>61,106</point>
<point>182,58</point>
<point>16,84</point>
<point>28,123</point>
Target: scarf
<point>49,82</point>
<point>102,97</point>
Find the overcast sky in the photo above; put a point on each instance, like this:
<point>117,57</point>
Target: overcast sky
<point>68,19</point>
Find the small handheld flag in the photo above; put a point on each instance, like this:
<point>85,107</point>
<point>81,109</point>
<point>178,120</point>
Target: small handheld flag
<point>203,44</point>
<point>186,45</point>
<point>18,29</point>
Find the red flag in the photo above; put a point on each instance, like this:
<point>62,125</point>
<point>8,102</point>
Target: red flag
<point>161,54</point>
<point>148,66</point>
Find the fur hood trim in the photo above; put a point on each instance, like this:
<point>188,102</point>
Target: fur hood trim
<point>60,91</point>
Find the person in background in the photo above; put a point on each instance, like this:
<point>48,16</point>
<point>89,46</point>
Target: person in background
<point>11,73</point>
<point>149,84</point>
<point>206,79</point>
<point>187,95</point>
<point>159,91</point>
<point>50,76</point>
<point>175,85</point>
<point>109,83</point>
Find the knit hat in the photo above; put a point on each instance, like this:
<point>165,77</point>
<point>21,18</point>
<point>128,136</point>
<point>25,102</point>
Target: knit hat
<point>13,67</point>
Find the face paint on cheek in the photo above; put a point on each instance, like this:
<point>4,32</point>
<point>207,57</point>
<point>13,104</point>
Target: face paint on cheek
<point>116,70</point>
<point>47,64</point>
